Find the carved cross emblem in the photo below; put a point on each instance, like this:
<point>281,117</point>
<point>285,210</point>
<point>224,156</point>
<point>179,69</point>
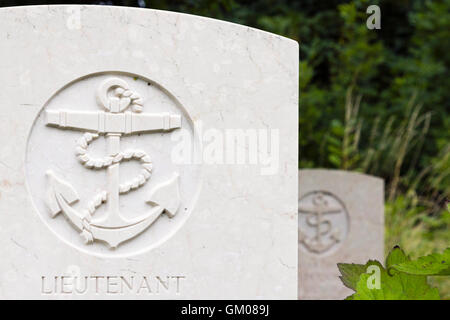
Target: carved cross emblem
<point>122,115</point>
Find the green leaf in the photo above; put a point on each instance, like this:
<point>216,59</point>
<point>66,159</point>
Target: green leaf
<point>396,256</point>
<point>432,265</point>
<point>373,282</point>
<point>351,272</point>
<point>397,287</point>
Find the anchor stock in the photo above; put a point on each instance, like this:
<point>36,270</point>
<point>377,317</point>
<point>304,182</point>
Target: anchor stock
<point>104,122</point>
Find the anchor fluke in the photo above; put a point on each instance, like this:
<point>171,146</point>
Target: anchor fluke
<point>58,188</point>
<point>167,195</point>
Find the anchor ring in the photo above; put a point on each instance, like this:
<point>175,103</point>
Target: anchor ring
<point>122,99</point>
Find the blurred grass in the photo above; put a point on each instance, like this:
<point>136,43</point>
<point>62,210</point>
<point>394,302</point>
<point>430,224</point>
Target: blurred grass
<point>416,214</point>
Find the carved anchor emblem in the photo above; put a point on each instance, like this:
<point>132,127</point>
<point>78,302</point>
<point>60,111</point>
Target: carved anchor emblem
<point>325,236</point>
<point>115,96</point>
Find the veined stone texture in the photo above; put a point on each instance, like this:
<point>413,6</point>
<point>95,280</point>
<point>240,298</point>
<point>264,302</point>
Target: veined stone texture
<point>89,89</point>
<point>341,220</point>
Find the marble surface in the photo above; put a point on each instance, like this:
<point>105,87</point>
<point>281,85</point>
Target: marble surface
<point>235,233</point>
<point>351,226</point>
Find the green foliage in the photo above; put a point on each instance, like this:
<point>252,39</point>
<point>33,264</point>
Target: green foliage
<point>409,224</point>
<point>392,285</point>
<point>433,264</point>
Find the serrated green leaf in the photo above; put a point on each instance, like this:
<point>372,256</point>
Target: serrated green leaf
<point>396,256</point>
<point>397,287</point>
<point>432,265</point>
<point>400,286</point>
<point>351,272</point>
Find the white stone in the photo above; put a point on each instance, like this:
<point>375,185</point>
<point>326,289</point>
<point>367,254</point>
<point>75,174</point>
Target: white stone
<point>129,127</point>
<point>341,220</point>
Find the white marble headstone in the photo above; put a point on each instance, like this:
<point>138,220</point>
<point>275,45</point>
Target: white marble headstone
<point>340,220</point>
<point>145,154</point>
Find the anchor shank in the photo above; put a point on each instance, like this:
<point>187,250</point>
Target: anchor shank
<point>113,219</point>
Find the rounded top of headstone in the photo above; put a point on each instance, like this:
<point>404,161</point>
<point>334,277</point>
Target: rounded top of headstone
<point>335,173</point>
<point>200,25</point>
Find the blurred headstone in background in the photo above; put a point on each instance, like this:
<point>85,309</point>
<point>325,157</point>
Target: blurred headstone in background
<point>340,219</point>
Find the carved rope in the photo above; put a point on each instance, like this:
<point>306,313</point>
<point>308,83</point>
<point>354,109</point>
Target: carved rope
<point>99,163</point>
<point>136,101</point>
